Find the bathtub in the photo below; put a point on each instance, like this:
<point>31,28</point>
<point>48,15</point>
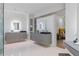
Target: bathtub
<point>72,47</point>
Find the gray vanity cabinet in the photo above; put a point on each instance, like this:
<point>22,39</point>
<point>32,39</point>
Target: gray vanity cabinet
<point>43,39</point>
<point>15,37</point>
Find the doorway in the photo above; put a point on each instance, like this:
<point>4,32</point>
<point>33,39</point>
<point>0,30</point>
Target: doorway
<point>61,29</point>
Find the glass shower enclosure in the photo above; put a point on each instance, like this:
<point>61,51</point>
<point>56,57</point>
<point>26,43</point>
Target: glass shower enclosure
<point>1,29</point>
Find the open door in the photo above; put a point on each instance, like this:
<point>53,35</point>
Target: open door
<point>61,29</point>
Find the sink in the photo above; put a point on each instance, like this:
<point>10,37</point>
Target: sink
<point>77,43</point>
<point>45,32</point>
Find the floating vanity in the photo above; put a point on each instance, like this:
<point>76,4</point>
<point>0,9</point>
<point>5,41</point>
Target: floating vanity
<point>13,37</point>
<point>43,38</point>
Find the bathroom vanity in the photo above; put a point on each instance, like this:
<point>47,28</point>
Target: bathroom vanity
<point>43,38</point>
<point>13,37</point>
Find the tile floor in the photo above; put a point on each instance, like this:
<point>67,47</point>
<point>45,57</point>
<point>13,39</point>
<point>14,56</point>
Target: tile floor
<point>1,52</point>
<point>29,48</point>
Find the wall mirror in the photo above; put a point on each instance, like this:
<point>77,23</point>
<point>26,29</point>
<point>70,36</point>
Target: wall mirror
<point>15,26</point>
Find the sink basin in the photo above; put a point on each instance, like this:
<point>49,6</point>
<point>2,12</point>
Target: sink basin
<point>45,32</point>
<point>77,43</point>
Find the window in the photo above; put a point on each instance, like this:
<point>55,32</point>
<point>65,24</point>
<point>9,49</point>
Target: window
<point>15,26</point>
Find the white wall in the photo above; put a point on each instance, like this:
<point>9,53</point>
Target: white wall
<point>51,24</point>
<point>71,21</point>
<point>60,21</point>
<point>78,22</point>
<point>10,15</point>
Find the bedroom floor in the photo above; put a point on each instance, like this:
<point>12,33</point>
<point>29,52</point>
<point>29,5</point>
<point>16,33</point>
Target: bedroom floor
<point>29,48</point>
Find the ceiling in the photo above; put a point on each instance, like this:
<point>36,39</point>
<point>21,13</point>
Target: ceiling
<point>31,7</point>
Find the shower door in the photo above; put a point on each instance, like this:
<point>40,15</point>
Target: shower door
<point>1,29</point>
